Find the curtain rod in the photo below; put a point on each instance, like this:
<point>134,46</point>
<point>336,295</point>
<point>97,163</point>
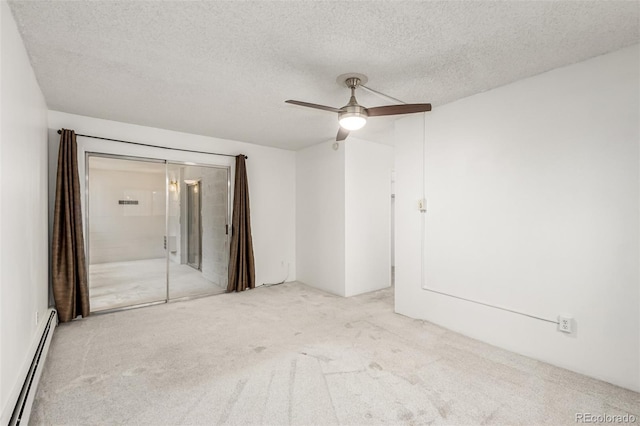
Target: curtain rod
<point>155,146</point>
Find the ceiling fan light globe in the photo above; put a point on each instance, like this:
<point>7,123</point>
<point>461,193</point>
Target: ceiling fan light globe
<point>352,122</point>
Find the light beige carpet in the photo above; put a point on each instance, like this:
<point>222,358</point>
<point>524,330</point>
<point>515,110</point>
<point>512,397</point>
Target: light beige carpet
<point>291,354</point>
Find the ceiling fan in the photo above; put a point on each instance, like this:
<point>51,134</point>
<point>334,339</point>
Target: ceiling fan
<point>353,116</point>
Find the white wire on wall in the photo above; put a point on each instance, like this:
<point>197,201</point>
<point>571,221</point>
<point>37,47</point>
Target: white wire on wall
<point>423,212</point>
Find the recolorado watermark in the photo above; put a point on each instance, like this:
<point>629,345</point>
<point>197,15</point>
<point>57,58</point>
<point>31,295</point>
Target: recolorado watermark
<point>605,418</point>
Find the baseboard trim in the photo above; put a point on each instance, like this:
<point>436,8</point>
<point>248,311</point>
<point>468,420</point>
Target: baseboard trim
<point>24,402</point>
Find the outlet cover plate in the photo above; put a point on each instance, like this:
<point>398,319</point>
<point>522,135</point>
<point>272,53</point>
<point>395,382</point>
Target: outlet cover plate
<point>565,323</point>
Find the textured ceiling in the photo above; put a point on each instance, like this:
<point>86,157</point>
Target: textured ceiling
<point>224,69</point>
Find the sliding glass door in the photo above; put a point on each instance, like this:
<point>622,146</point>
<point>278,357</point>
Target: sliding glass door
<point>198,223</point>
<point>156,230</point>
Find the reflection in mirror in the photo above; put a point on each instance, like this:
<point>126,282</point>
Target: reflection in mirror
<point>126,228</point>
<point>198,243</point>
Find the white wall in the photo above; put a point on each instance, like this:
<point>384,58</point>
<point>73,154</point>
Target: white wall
<point>320,204</point>
<point>533,205</point>
<point>343,208</point>
<point>368,169</point>
<point>122,233</point>
<point>271,174</point>
<point>23,213</point>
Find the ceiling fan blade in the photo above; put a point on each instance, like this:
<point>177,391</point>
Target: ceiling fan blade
<point>316,106</point>
<point>342,134</point>
<point>398,109</point>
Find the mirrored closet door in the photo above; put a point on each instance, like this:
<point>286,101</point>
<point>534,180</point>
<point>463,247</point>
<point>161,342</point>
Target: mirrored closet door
<point>127,216</point>
<point>156,230</point>
<point>198,223</point>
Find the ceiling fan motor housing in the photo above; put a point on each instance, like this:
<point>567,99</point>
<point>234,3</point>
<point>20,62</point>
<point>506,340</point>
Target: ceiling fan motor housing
<point>352,110</point>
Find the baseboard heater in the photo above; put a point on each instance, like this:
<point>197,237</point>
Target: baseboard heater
<point>22,410</point>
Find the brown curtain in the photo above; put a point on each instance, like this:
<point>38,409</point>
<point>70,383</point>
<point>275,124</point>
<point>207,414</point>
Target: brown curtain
<point>242,274</point>
<point>68,262</point>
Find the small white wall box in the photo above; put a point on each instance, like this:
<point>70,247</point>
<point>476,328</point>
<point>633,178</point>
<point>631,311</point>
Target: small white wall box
<point>565,323</point>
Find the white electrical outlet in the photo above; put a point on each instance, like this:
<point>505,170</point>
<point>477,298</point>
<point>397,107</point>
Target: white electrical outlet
<point>37,317</point>
<point>565,323</point>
